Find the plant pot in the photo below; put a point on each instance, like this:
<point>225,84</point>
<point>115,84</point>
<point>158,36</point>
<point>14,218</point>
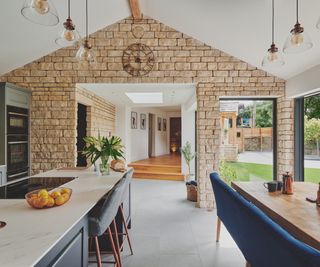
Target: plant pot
<point>192,193</point>
<point>104,168</point>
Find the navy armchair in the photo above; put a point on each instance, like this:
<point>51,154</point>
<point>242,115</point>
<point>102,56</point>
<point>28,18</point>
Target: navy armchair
<point>262,242</point>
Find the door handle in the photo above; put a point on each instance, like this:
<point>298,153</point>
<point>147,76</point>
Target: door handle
<point>18,142</point>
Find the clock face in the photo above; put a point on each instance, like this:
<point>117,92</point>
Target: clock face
<point>138,59</point>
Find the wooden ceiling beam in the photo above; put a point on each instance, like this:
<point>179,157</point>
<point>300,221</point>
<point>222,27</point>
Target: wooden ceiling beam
<point>135,9</point>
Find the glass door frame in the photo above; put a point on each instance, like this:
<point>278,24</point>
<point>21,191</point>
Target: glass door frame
<point>274,125</point>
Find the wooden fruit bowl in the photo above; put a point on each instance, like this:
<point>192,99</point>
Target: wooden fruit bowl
<point>43,199</point>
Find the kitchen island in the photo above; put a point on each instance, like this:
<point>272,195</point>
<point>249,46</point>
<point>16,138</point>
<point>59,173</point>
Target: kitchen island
<point>51,237</point>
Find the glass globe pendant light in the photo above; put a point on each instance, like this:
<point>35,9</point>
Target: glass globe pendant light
<point>297,41</point>
<point>40,12</point>
<point>85,53</point>
<point>69,35</point>
<point>273,58</point>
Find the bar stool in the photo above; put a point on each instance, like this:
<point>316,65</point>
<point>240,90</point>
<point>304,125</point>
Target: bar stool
<point>127,178</point>
<point>102,218</point>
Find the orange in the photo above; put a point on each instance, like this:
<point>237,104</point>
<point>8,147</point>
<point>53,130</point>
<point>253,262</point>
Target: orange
<point>50,202</point>
<point>55,194</point>
<point>43,201</point>
<point>33,196</point>
<point>37,203</point>
<point>59,200</point>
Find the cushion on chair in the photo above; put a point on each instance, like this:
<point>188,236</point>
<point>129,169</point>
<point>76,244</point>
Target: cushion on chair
<point>262,242</point>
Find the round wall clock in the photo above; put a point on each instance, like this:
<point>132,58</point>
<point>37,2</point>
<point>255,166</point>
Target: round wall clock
<point>138,59</point>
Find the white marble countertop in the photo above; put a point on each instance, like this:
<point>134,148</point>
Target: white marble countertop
<point>31,233</point>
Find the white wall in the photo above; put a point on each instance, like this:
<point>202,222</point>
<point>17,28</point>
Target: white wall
<point>137,139</point>
<point>304,83</point>
<point>188,133</point>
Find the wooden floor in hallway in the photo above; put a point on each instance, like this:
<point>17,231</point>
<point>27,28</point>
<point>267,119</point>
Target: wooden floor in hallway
<point>166,167</point>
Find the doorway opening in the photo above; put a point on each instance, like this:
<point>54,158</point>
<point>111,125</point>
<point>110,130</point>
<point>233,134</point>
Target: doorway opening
<point>151,136</point>
<point>175,135</point>
<point>81,133</point>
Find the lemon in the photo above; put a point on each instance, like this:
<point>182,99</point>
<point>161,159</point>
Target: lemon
<point>66,197</point>
<point>59,200</point>
<point>65,190</point>
<point>43,193</point>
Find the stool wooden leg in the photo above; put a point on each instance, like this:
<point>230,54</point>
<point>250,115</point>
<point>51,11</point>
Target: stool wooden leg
<point>117,241</point>
<point>98,252</point>
<point>218,229</point>
<point>126,228</point>
<point>114,251</point>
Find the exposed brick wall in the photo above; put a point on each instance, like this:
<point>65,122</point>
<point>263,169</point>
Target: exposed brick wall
<point>100,113</point>
<point>179,59</point>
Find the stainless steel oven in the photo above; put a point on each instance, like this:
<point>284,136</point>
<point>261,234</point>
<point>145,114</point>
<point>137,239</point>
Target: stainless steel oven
<point>17,143</point>
<point>17,121</point>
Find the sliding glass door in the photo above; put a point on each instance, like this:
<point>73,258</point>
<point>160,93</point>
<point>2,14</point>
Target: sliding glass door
<point>312,138</point>
<point>247,145</point>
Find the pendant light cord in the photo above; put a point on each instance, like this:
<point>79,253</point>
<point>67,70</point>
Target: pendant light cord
<point>297,11</point>
<point>86,19</point>
<point>272,21</point>
<point>69,9</point>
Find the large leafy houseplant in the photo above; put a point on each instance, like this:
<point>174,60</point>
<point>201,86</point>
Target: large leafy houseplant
<point>188,157</point>
<point>103,148</point>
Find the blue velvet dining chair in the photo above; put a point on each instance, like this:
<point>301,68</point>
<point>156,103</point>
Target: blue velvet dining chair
<point>262,242</point>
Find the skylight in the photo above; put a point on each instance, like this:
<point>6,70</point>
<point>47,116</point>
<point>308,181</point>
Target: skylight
<point>146,97</point>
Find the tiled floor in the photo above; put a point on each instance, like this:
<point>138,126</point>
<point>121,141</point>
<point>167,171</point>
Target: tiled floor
<point>167,230</point>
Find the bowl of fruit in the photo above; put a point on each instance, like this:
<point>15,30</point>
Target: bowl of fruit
<point>42,198</point>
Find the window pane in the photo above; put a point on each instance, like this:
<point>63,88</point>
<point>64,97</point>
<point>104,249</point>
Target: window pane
<point>312,139</point>
<point>246,151</point>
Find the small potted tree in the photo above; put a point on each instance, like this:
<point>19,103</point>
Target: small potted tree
<point>191,184</point>
<point>103,148</point>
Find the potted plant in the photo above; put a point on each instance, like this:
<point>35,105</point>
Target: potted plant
<point>103,148</point>
<point>188,157</point>
<point>190,183</point>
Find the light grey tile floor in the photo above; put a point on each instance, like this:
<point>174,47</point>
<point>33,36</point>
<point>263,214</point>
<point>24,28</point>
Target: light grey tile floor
<point>168,231</point>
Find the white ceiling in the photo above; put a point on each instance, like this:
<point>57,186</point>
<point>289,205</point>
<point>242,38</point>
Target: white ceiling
<point>23,42</point>
<point>174,95</point>
<point>241,28</point>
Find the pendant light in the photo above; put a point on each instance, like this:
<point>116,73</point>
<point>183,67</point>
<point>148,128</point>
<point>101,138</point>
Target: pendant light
<point>85,54</point>
<point>40,12</point>
<point>297,41</point>
<point>273,58</point>
<point>69,35</point>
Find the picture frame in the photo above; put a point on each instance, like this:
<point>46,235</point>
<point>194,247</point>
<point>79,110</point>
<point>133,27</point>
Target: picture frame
<point>134,120</point>
<point>143,121</point>
<point>159,123</point>
<point>164,126</point>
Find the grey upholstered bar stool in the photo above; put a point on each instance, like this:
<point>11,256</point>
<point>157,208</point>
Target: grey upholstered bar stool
<point>127,178</point>
<point>102,218</point>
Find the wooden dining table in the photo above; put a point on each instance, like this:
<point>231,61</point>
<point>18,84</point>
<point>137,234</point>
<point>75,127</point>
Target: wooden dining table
<point>292,212</point>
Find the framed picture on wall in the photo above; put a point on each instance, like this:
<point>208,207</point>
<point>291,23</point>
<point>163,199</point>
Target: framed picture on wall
<point>134,120</point>
<point>143,121</point>
<point>159,124</point>
<point>164,125</point>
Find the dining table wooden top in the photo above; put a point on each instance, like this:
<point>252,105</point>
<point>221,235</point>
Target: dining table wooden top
<point>292,212</point>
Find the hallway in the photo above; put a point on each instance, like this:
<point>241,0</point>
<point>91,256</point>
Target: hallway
<point>166,167</point>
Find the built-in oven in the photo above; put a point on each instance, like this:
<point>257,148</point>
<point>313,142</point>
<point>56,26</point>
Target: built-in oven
<point>17,143</point>
<point>17,121</point>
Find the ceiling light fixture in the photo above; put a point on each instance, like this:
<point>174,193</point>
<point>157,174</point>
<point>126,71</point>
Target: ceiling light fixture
<point>40,12</point>
<point>273,57</point>
<point>297,41</point>
<point>85,54</point>
<point>68,35</point>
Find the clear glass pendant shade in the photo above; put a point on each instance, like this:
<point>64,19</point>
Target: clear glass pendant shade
<point>297,42</point>
<point>273,59</point>
<point>68,37</point>
<point>85,53</point>
<point>40,12</point>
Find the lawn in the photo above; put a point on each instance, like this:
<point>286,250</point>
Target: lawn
<point>245,171</point>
